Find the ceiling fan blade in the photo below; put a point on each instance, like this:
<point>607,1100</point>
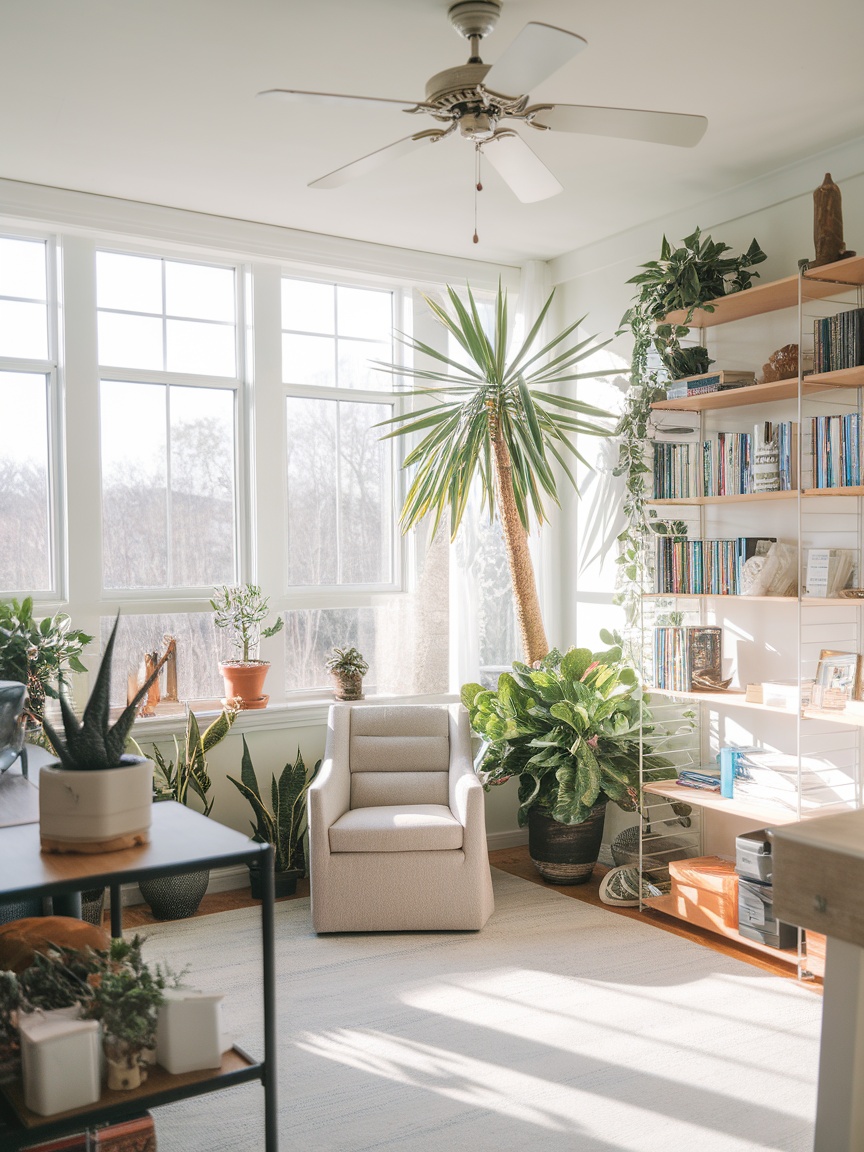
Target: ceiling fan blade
<point>374,160</point>
<point>296,96</point>
<point>537,52</point>
<point>629,123</point>
<point>521,169</point>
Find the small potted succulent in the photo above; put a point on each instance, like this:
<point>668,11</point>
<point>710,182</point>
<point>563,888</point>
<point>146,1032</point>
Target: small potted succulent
<point>283,825</point>
<point>174,897</point>
<point>347,667</point>
<point>97,798</point>
<point>126,1000</point>
<point>242,610</point>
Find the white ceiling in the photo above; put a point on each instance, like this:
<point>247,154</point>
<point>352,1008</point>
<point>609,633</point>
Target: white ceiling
<point>154,100</point>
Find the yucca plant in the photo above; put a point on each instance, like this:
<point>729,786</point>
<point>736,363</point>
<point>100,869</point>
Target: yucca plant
<point>284,822</point>
<point>495,420</point>
<point>91,742</point>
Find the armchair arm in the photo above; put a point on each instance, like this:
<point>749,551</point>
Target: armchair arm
<point>466,791</point>
<point>329,794</point>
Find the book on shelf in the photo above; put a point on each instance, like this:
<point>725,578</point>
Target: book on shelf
<point>834,451</point>
<point>688,658</point>
<point>790,695</point>
<point>828,571</point>
<point>707,383</point>
<point>702,781</point>
<point>705,567</point>
<point>726,465</point>
<point>838,341</point>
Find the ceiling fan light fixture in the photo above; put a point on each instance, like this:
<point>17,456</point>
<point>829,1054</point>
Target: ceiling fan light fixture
<point>477,126</point>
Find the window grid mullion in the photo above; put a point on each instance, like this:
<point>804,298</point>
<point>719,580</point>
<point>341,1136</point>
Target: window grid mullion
<point>169,539</point>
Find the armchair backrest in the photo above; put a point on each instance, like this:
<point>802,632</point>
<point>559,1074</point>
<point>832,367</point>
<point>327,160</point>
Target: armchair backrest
<point>399,755</point>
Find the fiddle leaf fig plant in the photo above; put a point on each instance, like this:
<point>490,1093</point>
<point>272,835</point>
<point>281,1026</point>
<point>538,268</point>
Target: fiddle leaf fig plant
<point>570,729</point>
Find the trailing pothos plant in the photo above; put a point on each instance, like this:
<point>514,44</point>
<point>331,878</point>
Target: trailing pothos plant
<point>681,280</point>
<point>572,728</point>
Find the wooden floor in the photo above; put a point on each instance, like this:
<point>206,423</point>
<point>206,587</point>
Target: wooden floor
<point>517,862</point>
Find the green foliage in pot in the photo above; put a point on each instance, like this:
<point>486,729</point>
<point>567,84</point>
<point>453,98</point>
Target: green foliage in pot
<point>347,662</point>
<point>126,998</point>
<point>38,652</point>
<point>283,823</point>
<point>92,742</point>
<point>59,978</point>
<point>682,279</point>
<point>569,728</point>
<point>242,609</point>
<point>187,773</point>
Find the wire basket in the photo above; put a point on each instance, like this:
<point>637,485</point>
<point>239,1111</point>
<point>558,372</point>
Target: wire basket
<point>657,851</point>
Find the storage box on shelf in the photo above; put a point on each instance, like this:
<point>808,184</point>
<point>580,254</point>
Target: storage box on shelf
<point>773,637</point>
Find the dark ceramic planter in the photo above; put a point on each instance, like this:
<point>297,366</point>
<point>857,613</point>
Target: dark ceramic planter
<point>565,853</point>
<point>284,883</point>
<point>175,897</point>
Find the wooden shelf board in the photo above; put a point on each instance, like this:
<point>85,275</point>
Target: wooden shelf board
<point>819,283</point>
<point>806,601</point>
<point>666,905</point>
<point>746,497</point>
<point>158,1081</point>
<point>819,493</point>
<point>764,393</point>
<point>761,812</point>
<point>734,698</point>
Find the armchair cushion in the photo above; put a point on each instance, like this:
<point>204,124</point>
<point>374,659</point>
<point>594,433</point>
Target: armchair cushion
<point>396,828</point>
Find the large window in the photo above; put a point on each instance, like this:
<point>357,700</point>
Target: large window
<point>27,528</point>
<point>168,443</point>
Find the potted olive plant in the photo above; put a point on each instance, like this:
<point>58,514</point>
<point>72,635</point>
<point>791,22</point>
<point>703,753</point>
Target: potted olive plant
<point>174,897</point>
<point>569,728</point>
<point>283,824</point>
<point>241,609</point>
<point>347,667</point>
<point>97,797</point>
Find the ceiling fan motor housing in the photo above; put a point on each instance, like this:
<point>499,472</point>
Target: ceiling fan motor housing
<point>474,17</point>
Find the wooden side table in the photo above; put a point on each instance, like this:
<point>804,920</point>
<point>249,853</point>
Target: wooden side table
<point>181,841</point>
<point>819,884</point>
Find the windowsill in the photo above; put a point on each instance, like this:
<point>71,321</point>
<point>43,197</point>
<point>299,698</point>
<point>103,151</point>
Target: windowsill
<point>294,714</point>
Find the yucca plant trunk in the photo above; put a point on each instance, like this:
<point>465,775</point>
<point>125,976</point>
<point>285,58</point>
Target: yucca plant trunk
<point>534,643</point>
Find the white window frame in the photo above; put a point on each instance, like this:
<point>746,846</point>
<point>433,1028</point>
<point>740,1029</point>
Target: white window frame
<point>189,598</point>
<point>49,370</point>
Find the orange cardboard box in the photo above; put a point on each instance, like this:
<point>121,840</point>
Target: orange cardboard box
<point>706,891</point>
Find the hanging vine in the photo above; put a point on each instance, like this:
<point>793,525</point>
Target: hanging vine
<point>681,280</point>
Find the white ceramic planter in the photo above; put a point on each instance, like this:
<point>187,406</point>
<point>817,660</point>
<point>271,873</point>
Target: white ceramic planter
<point>60,1062</point>
<point>189,1031</point>
<point>99,811</point>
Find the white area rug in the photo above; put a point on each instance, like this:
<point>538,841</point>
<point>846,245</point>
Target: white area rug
<point>559,1026</point>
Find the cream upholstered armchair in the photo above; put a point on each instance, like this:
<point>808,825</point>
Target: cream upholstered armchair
<point>397,831</point>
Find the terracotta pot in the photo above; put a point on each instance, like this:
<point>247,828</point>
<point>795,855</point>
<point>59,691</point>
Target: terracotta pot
<point>347,686</point>
<point>565,853</point>
<point>103,810</point>
<point>245,682</point>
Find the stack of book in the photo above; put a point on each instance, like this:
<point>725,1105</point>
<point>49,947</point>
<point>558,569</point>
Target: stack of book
<point>708,382</point>
<point>838,341</point>
<point>685,657</point>
<point>694,567</point>
<point>835,449</point>
<point>774,777</point>
<point>676,471</point>
<point>721,466</point>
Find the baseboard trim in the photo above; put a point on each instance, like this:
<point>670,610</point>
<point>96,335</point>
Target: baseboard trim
<point>512,839</point>
<point>221,880</point>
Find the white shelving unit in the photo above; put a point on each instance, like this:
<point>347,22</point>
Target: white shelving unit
<point>765,638</point>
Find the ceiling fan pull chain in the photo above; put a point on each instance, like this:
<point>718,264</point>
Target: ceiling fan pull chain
<point>478,186</point>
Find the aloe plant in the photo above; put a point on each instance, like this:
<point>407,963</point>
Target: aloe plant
<point>91,742</point>
<point>284,822</point>
<point>570,728</point>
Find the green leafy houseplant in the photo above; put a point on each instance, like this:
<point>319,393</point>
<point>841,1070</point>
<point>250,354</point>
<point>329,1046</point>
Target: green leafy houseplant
<point>495,419</point>
<point>283,823</point>
<point>569,730</point>
<point>38,653</point>
<point>126,999</point>
<point>685,278</point>
<point>347,667</point>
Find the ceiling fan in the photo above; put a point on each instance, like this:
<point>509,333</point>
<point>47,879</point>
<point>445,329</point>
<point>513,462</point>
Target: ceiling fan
<point>475,98</point>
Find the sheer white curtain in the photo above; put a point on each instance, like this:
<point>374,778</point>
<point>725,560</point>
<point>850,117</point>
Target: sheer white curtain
<point>482,626</point>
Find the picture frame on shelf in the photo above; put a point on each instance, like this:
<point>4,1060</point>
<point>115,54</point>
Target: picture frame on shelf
<point>838,680</point>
